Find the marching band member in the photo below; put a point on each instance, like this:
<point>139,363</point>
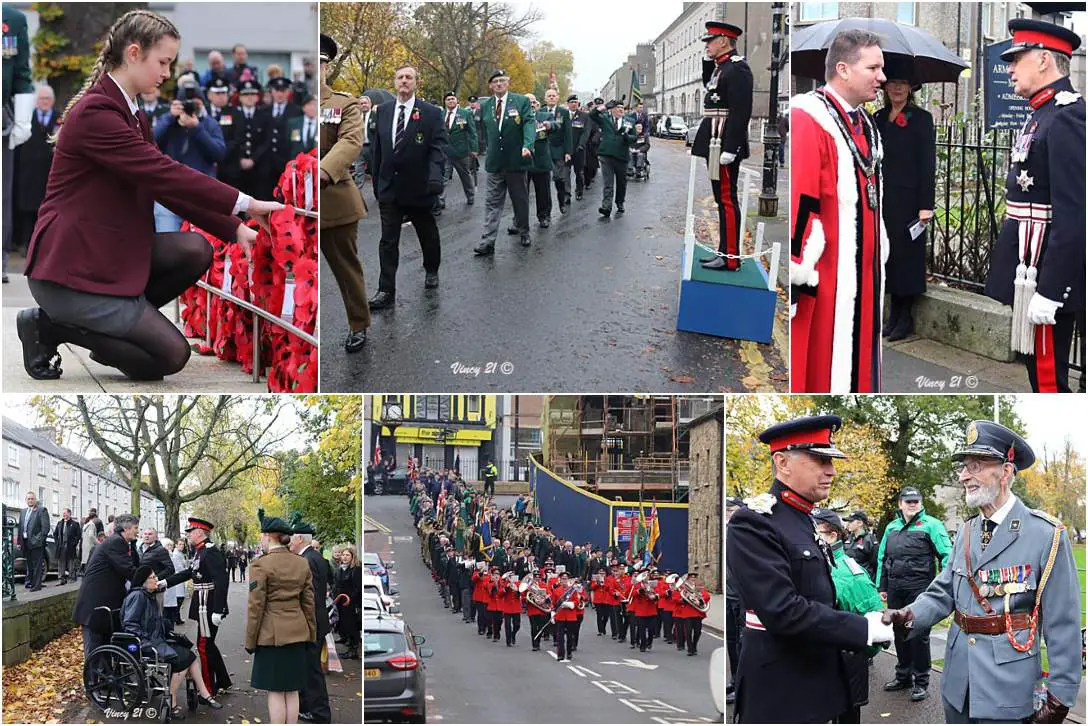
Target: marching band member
<point>666,604</point>
<point>480,584</point>
<point>623,612</point>
<point>691,617</point>
<point>566,600</point>
<point>494,604</point>
<point>603,602</point>
<point>511,608</point>
<point>538,618</point>
<point>644,608</point>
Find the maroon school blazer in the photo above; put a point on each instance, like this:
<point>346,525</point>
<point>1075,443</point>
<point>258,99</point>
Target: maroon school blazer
<point>97,221</point>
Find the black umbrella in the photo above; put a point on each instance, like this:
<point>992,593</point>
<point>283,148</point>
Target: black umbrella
<point>932,62</point>
<point>378,95</point>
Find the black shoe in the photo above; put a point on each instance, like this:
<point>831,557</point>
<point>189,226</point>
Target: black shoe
<point>40,360</point>
<point>633,646</point>
<point>563,208</point>
<point>619,209</point>
<point>606,213</point>
<point>731,697</point>
<point>470,202</point>
<point>382,299</point>
<point>919,693</point>
<point>578,196</point>
<point>513,230</point>
<point>305,716</point>
<point>209,702</point>
<point>355,341</point>
<point>897,685</point>
<point>691,652</point>
<point>718,264</point>
<point>903,329</point>
<point>707,259</point>
<point>4,278</point>
<point>526,240</point>
<point>483,249</point>
<point>431,281</point>
<point>545,223</point>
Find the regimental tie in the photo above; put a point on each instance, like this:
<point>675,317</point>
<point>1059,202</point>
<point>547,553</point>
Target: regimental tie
<point>988,527</point>
<point>449,120</point>
<point>400,127</point>
<point>498,110</point>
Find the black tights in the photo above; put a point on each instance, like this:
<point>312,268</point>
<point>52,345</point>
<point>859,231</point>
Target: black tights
<point>154,347</point>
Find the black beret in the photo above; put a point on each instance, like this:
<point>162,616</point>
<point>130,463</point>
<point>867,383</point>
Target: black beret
<point>572,97</point>
<point>280,83</point>
<point>498,73</point>
<point>139,577</point>
<point>328,49</point>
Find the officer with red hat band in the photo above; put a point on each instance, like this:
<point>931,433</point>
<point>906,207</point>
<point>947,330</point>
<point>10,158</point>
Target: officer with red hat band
<point>209,604</point>
<point>722,138</point>
<point>793,632</point>
<point>1037,265</point>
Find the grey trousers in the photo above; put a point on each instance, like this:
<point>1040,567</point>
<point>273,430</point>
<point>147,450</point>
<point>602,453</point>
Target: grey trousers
<point>461,164</point>
<point>498,184</point>
<point>614,173</point>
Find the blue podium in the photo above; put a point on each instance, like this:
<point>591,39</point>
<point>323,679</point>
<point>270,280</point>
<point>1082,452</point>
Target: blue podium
<point>725,304</point>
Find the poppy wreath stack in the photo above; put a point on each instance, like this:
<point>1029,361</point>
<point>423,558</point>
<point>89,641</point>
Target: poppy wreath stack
<point>290,251</point>
<point>292,366</point>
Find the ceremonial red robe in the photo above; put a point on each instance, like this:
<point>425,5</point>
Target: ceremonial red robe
<point>837,255</point>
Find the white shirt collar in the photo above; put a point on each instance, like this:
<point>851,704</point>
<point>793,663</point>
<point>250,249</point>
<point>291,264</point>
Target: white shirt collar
<point>999,516</point>
<point>132,104</point>
<point>842,101</point>
<point>408,105</point>
<point>500,99</point>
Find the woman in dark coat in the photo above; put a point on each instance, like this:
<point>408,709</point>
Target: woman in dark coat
<point>909,186</point>
<point>348,584</point>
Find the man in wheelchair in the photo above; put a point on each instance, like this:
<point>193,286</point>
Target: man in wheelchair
<point>141,616</point>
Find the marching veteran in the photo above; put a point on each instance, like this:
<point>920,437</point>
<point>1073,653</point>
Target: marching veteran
<point>279,619</point>
<point>1010,580</point>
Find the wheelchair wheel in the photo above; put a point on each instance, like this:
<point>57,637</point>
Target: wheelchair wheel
<point>190,695</point>
<point>161,703</point>
<point>113,678</point>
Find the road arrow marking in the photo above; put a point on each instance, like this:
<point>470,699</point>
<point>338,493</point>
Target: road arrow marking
<point>632,662</point>
<point>552,654</point>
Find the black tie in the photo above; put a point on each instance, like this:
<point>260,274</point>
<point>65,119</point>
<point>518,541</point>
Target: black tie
<point>988,527</point>
<point>855,120</point>
<point>400,128</point>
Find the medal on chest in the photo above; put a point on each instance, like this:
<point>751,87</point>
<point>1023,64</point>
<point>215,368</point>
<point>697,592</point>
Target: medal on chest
<point>330,115</point>
<point>1022,146</point>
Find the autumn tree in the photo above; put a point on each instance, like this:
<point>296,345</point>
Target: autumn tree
<point>177,448</point>
<point>234,510</point>
<point>457,45</point>
<point>545,58</point>
<point>1057,482</point>
<point>68,41</point>
<point>368,39</point>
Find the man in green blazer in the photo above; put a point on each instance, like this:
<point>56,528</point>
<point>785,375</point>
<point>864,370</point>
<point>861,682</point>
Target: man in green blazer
<point>510,131</point>
<point>617,137</point>
<point>302,129</point>
<point>461,128</point>
<point>540,174</point>
<point>562,147</point>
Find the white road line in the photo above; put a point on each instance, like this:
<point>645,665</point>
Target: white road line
<point>552,654</point>
<point>582,671</point>
<point>614,687</point>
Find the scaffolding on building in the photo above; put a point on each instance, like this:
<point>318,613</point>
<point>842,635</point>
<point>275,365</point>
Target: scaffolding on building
<point>621,446</point>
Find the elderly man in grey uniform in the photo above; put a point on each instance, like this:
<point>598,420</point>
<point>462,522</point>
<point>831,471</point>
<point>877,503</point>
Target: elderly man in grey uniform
<point>1010,580</point>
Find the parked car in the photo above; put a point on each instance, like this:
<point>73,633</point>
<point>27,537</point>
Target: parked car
<point>394,674</point>
<point>373,561</point>
<point>395,483</point>
<point>373,605</point>
<point>672,127</point>
<point>17,555</point>
<point>689,137</point>
<point>373,585</point>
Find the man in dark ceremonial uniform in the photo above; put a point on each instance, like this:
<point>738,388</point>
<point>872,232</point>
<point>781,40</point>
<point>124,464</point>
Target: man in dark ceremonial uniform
<point>722,138</point>
<point>794,636</point>
<point>1037,265</point>
<point>277,115</point>
<point>580,127</point>
<point>208,606</point>
<point>313,699</point>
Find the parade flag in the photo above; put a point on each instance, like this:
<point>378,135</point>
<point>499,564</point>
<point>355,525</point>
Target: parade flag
<point>636,94</point>
<point>377,453</point>
<point>655,532</point>
<point>486,545</point>
<point>412,475</point>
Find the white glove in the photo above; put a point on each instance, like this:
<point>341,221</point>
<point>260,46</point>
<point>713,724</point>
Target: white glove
<point>24,110</point>
<point>216,619</point>
<point>1041,310</point>
<point>161,586</point>
<point>878,631</point>
<point>726,158</point>
<point>569,605</point>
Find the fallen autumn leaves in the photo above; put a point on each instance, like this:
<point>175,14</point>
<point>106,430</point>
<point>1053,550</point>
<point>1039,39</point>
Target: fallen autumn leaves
<point>39,689</point>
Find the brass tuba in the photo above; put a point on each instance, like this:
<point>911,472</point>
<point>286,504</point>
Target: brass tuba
<point>692,597</point>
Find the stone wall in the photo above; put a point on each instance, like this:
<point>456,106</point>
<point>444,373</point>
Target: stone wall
<point>30,625</point>
<point>705,497</point>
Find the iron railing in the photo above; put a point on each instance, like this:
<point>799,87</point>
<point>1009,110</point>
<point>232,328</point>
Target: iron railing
<point>9,530</point>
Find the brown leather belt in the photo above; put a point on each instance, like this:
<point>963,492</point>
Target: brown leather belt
<point>992,624</point>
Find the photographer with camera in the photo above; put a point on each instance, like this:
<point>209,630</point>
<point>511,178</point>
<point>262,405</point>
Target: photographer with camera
<point>189,135</point>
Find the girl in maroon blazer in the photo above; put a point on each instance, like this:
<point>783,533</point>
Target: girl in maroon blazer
<point>95,265</point>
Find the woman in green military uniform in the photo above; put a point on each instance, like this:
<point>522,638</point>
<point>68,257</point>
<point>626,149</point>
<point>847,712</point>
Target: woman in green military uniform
<point>280,620</point>
<point>855,593</point>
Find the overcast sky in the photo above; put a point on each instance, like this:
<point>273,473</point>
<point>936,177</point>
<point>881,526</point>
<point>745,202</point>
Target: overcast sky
<point>1049,419</point>
<point>602,34</point>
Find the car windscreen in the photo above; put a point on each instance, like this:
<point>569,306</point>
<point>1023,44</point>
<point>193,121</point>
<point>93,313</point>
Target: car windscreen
<point>676,120</point>
<point>371,558</point>
<point>383,643</point>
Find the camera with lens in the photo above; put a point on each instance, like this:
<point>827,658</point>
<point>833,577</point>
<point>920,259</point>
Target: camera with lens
<point>187,94</point>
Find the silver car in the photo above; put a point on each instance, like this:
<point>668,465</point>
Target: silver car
<point>394,674</point>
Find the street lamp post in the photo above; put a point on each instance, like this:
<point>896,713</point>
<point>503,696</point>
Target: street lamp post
<point>772,142</point>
